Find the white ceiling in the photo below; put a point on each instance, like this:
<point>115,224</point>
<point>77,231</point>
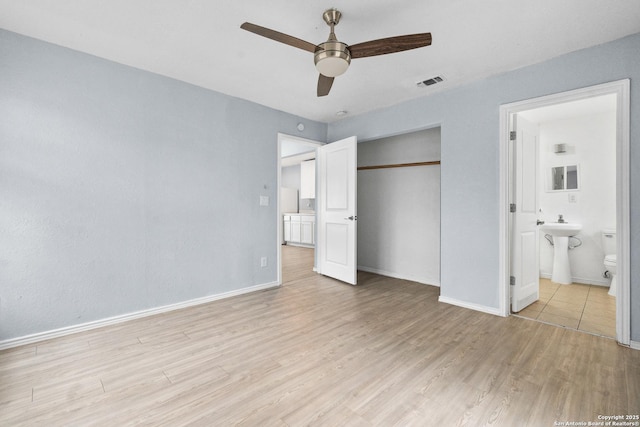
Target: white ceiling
<point>200,42</point>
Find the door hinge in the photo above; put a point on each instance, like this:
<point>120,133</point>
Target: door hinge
<point>512,135</point>
<point>512,280</point>
<point>512,207</point>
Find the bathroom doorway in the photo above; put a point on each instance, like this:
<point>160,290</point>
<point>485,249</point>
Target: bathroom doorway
<point>584,135</point>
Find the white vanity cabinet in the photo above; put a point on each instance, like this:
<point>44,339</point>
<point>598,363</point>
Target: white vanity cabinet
<point>299,229</point>
<point>308,179</point>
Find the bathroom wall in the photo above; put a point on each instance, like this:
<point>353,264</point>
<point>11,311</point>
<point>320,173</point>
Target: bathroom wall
<point>590,142</point>
<point>399,208</point>
<point>291,178</point>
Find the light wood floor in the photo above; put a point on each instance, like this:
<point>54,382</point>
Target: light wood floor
<point>318,352</point>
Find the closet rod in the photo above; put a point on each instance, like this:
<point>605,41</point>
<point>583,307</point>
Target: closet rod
<point>399,165</point>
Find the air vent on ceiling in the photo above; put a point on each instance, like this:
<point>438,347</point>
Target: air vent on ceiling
<point>430,81</point>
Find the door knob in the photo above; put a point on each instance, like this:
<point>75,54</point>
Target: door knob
<point>352,218</point>
<point>538,222</point>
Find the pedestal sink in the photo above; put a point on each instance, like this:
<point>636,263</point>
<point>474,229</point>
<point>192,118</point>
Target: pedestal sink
<point>561,231</point>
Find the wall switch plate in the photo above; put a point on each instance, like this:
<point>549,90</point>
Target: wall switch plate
<point>264,200</point>
<point>263,261</point>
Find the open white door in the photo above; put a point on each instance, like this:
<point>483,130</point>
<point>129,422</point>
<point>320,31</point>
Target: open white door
<point>336,168</point>
<point>525,258</point>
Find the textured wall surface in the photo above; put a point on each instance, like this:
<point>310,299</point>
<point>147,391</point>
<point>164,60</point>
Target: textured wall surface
<point>469,117</point>
<point>121,190</point>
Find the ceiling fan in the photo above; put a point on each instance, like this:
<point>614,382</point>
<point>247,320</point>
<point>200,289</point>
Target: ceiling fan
<point>332,58</point>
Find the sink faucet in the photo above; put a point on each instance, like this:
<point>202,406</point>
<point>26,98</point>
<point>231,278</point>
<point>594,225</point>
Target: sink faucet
<point>560,219</point>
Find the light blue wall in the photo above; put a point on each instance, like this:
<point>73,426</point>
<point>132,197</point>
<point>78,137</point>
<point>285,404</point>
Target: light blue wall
<point>469,117</point>
<point>121,190</point>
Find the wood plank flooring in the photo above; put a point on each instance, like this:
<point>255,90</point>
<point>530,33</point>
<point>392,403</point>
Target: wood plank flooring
<point>318,352</point>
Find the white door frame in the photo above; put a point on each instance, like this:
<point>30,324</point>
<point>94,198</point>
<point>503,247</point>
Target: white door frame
<point>282,137</point>
<point>621,89</point>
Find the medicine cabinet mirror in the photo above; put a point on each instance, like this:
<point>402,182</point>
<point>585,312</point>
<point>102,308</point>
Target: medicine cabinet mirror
<point>564,178</point>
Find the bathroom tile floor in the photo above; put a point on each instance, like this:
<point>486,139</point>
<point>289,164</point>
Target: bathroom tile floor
<point>586,308</point>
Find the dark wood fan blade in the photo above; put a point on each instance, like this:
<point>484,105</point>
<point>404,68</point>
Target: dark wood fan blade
<point>279,37</point>
<point>390,45</point>
<point>324,85</point>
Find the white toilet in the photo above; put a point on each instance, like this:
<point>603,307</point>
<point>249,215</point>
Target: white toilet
<point>609,245</point>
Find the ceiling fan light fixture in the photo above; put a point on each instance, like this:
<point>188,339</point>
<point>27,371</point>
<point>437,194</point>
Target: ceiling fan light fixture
<point>332,58</point>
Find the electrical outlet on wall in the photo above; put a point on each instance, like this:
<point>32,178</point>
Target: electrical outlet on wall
<point>573,198</point>
<point>263,261</point>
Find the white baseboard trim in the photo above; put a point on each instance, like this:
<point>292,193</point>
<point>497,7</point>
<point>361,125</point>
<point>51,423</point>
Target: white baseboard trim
<point>82,327</point>
<point>471,306</point>
<point>634,345</point>
<point>422,280</point>
<point>581,280</point>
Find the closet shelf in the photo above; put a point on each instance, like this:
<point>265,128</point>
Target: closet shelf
<point>399,165</point>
